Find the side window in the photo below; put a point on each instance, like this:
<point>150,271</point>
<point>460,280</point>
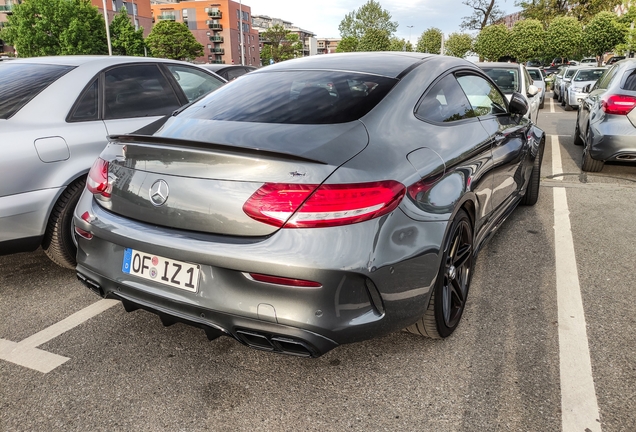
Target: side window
<point>234,73</point>
<point>86,108</point>
<point>137,91</point>
<point>445,102</point>
<point>528,79</point>
<point>605,79</point>
<point>630,81</point>
<point>484,98</point>
<point>193,82</point>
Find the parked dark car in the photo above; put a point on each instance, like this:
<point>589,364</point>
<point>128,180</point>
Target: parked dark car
<point>228,72</point>
<point>606,119</point>
<point>55,115</point>
<point>316,202</point>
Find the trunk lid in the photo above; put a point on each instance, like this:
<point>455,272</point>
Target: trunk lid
<point>201,180</point>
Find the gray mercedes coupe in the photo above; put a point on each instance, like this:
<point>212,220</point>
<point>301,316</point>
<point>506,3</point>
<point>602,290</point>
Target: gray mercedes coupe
<point>315,202</point>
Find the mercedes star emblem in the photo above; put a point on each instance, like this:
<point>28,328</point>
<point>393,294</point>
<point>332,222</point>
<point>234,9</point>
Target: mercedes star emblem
<point>159,193</point>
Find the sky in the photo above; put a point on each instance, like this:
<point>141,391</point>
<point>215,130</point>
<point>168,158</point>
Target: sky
<point>323,16</point>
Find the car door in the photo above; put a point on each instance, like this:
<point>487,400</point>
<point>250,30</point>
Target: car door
<point>194,82</point>
<point>507,138</point>
<point>135,95</point>
<point>460,140</point>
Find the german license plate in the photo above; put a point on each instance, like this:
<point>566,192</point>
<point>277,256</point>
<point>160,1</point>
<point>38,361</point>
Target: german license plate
<point>176,274</point>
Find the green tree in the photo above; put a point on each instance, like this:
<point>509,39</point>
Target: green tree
<point>125,40</point>
<point>347,44</point>
<point>430,41</point>
<point>173,40</point>
<point>374,40</point>
<point>485,12</point>
<point>280,44</point>
<point>492,42</point>
<point>547,10</point>
<point>369,16</point>
<point>527,40</point>
<point>603,33</point>
<point>398,44</point>
<point>458,44</point>
<point>55,27</point>
<point>563,38</point>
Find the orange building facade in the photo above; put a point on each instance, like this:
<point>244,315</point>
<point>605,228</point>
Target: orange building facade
<point>215,24</point>
<point>138,10</point>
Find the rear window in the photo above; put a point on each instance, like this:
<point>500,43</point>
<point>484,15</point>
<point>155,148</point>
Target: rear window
<point>589,75</point>
<point>22,82</point>
<point>506,79</point>
<point>294,97</point>
<point>570,72</point>
<point>535,74</point>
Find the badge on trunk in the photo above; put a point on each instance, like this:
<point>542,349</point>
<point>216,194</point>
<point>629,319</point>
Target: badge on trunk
<point>159,193</point>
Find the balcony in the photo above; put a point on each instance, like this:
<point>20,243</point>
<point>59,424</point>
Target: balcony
<point>167,17</point>
<point>214,14</point>
<point>217,39</point>
<point>220,51</point>
<point>214,25</point>
<point>216,61</point>
<point>6,8</point>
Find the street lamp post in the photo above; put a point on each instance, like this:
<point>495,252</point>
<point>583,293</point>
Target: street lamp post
<point>240,31</point>
<point>110,47</point>
<point>410,27</point>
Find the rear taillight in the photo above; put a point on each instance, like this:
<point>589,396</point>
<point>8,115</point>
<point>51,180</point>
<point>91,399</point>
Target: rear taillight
<point>618,104</point>
<point>314,206</point>
<point>97,181</point>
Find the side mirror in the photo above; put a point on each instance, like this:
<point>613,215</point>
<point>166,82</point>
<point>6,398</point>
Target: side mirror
<point>533,90</point>
<point>518,104</point>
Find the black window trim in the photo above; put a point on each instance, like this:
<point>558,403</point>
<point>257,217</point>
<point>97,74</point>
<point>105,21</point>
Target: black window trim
<point>71,112</point>
<point>492,82</point>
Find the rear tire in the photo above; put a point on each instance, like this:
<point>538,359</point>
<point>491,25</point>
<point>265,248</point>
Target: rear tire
<point>578,141</point>
<point>587,163</point>
<point>448,299</point>
<point>58,243</point>
<point>532,191</point>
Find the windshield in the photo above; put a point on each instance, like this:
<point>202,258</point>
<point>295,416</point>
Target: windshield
<point>535,74</point>
<point>294,97</point>
<point>21,82</point>
<point>570,73</point>
<point>589,75</point>
<point>507,79</point>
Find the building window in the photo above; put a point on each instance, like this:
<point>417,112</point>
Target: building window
<point>134,9</point>
<point>114,5</point>
<point>136,24</point>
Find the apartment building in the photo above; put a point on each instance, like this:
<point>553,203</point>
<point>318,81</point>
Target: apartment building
<point>327,45</point>
<point>5,9</point>
<point>263,22</point>
<point>218,26</point>
<point>139,12</point>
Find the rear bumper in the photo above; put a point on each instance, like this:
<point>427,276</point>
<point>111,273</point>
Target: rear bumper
<point>613,139</point>
<point>373,281</point>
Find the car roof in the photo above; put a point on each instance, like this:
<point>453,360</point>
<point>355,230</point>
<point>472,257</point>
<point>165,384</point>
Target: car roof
<point>390,64</point>
<point>102,61</point>
<point>500,65</point>
<point>217,67</point>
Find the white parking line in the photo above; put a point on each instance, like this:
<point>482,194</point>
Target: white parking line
<point>551,105</point>
<point>26,354</point>
<point>557,167</point>
<point>579,407</point>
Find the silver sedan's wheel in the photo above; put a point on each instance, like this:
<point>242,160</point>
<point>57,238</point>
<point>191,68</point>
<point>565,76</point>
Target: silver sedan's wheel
<point>587,163</point>
<point>59,241</point>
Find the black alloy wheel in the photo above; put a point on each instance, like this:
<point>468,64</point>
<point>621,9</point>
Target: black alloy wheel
<point>450,292</point>
<point>457,271</point>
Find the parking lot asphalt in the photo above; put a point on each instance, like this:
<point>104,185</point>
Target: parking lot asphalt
<point>500,371</point>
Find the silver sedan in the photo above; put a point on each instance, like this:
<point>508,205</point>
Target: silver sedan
<point>55,116</point>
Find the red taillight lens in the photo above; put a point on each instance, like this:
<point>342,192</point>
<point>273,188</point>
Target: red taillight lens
<point>618,104</point>
<point>97,181</point>
<point>310,206</point>
<point>284,281</point>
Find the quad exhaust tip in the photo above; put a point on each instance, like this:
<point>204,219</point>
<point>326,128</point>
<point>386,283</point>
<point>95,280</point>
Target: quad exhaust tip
<point>628,157</point>
<point>278,344</point>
